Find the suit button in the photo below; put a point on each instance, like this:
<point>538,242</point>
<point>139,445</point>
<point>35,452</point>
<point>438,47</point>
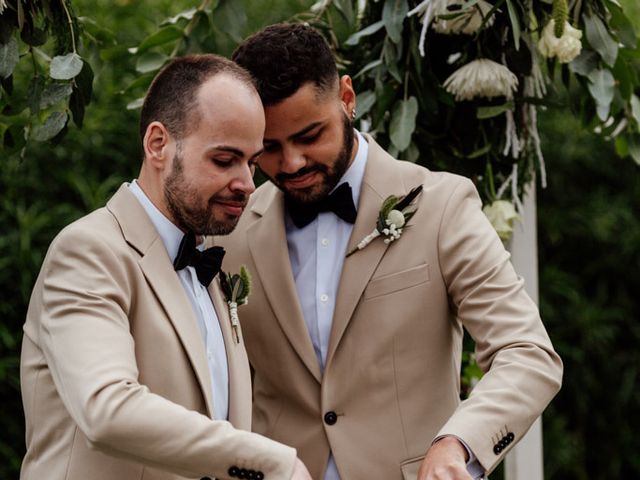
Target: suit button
<point>511,436</point>
<point>259,476</point>
<point>497,449</point>
<point>330,418</point>
<point>243,473</point>
<point>234,471</point>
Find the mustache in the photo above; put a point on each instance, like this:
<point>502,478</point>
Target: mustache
<point>237,198</point>
<point>281,177</point>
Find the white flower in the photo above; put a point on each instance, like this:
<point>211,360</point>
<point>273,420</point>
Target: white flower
<point>502,216</point>
<point>468,21</point>
<point>3,5</point>
<point>395,219</point>
<point>566,48</point>
<point>481,78</point>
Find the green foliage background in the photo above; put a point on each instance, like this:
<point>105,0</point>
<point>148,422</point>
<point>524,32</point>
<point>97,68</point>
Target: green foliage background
<point>589,237</point>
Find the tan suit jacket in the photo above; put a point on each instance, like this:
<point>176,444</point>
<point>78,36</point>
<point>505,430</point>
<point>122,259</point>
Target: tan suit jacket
<point>393,363</point>
<point>114,376</point>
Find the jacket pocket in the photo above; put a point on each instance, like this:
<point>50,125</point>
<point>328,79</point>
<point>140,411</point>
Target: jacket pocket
<point>397,281</point>
<point>410,467</point>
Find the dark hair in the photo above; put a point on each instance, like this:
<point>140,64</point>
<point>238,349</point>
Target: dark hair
<point>283,57</point>
<point>172,95</point>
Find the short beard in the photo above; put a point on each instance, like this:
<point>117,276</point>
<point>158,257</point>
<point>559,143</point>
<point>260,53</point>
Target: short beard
<point>186,207</point>
<point>331,175</point>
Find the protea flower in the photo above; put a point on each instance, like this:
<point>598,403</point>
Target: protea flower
<point>481,78</point>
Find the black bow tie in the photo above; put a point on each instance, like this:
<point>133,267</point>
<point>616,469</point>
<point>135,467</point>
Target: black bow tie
<point>207,263</point>
<point>340,202</point>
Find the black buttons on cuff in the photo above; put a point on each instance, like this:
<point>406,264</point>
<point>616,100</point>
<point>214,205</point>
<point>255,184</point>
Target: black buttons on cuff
<point>245,473</point>
<point>503,443</point>
<point>330,418</point>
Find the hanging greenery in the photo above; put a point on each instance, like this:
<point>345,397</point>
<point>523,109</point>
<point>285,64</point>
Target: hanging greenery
<point>457,84</point>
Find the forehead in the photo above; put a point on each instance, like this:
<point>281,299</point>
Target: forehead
<point>307,105</point>
<point>229,107</point>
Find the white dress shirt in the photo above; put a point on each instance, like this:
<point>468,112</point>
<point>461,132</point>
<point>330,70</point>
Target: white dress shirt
<point>203,310</point>
<point>317,252</point>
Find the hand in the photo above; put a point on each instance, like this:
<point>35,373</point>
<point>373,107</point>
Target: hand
<point>445,460</point>
<point>300,472</point>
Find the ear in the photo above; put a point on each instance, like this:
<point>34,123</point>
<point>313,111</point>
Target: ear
<point>347,95</point>
<point>156,144</point>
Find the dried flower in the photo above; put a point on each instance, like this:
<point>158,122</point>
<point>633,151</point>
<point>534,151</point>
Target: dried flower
<point>502,215</point>
<point>566,48</point>
<point>481,78</point>
<point>468,21</point>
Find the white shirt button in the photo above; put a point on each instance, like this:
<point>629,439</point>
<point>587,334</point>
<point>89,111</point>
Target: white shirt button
<point>324,297</point>
<point>324,242</point>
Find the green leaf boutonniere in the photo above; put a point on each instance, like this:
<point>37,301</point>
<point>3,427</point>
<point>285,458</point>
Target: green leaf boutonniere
<point>236,289</point>
<point>393,216</point>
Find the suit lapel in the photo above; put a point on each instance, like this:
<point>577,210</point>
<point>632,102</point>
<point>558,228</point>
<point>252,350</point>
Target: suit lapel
<point>381,179</point>
<point>139,232</point>
<point>268,244</point>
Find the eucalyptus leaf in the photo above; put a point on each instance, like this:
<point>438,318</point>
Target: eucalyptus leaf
<point>364,101</point>
<point>65,67</point>
<point>623,27</point>
<point>393,14</point>
<point>54,93</point>
<point>403,123</point>
<point>345,7</point>
<point>34,93</point>
<point>150,62</point>
<point>370,30</point>
<point>366,68</point>
<point>50,128</point>
<point>599,38</point>
<point>602,88</point>
<point>9,57</point>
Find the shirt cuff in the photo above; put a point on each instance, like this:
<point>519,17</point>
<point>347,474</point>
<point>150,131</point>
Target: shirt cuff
<point>473,465</point>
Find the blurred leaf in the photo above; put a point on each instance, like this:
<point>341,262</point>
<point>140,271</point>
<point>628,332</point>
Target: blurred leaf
<point>515,23</point>
<point>393,15</point>
<point>602,88</point>
<point>50,128</point>
<point>160,37</point>
<point>366,68</point>
<point>391,58</point>
<point>65,67</point>
<point>635,110</point>
<point>34,92</point>
<point>150,62</point>
<point>585,63</point>
<point>345,7</point>
<point>403,123</point>
<point>622,26</point>
<point>32,35</point>
<point>135,104</point>
<point>8,57</point>
<point>633,142</point>
<point>54,93</point>
<point>370,30</point>
<point>364,102</point>
<point>624,78</point>
<point>493,111</point>
<point>187,15</point>
<point>599,38</point>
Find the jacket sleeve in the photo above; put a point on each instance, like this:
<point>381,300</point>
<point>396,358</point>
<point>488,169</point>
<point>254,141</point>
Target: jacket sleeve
<point>522,370</point>
<point>85,337</point>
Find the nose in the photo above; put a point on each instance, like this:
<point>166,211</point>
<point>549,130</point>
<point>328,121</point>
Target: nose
<point>293,159</point>
<point>243,181</point>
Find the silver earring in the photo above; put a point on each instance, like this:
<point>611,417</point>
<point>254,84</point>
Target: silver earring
<point>353,114</point>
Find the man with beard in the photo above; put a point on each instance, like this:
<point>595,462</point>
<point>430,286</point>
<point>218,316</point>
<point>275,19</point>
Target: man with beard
<point>356,344</point>
<point>130,369</point>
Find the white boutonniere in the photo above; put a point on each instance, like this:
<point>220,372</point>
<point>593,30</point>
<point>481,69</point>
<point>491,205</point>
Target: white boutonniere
<point>236,289</point>
<point>393,216</point>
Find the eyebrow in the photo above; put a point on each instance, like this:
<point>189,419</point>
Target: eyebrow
<point>235,151</point>
<point>299,133</point>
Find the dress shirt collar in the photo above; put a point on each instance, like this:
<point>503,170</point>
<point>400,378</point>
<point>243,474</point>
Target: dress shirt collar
<point>170,234</point>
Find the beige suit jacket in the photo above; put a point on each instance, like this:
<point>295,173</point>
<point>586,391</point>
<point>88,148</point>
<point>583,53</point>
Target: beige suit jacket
<point>393,363</point>
<point>114,376</point>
